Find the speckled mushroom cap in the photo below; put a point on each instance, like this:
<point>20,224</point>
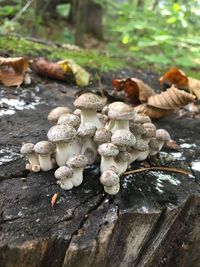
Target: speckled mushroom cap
<point>61,133</point>
<point>154,144</point>
<point>89,101</point>
<point>141,145</point>
<point>55,114</point>
<point>69,119</point>
<point>86,130</point>
<point>162,135</point>
<point>123,156</point>
<point>150,130</point>
<point>44,147</point>
<point>142,118</point>
<point>109,178</point>
<point>123,138</point>
<point>27,148</point>
<point>77,112</point>
<point>77,161</point>
<point>137,128</point>
<point>108,150</point>
<point>121,111</point>
<point>102,136</point>
<point>63,172</point>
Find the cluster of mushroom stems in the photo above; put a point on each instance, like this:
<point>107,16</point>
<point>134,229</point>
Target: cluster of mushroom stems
<point>114,135</point>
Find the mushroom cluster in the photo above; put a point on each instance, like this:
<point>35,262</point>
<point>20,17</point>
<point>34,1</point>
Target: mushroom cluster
<point>113,135</point>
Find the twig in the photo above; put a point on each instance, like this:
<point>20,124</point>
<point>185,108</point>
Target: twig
<point>22,11</point>
<point>159,169</point>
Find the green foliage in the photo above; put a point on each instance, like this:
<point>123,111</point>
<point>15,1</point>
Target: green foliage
<point>63,10</point>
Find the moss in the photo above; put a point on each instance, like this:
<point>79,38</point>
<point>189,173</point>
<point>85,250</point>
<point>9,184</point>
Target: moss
<point>22,47</point>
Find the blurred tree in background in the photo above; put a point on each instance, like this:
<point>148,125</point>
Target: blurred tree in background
<point>158,32</point>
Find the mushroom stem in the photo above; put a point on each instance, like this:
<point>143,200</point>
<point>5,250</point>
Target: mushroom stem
<point>107,163</point>
<point>115,125</point>
<point>90,116</point>
<point>121,167</point>
<point>45,162</point>
<point>33,159</point>
<point>89,149</point>
<point>77,177</point>
<point>112,190</point>
<point>65,183</point>
<point>143,155</point>
<point>65,150</point>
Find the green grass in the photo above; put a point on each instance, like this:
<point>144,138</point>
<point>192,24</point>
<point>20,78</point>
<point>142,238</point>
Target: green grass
<point>87,58</point>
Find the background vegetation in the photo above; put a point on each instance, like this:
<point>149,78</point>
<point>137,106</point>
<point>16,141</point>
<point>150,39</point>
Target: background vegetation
<point>147,32</point>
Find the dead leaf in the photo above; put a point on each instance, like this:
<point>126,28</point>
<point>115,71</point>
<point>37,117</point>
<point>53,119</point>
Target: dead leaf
<point>136,90</point>
<point>171,144</point>
<point>82,76</point>
<point>12,70</point>
<point>174,76</point>
<point>152,112</point>
<point>171,99</point>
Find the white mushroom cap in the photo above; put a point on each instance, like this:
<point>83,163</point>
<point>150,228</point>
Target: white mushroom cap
<point>77,112</point>
<point>89,101</point>
<point>123,138</point>
<point>121,111</point>
<point>27,148</point>
<point>69,119</point>
<point>44,147</point>
<point>55,114</point>
<point>154,144</point>
<point>77,161</point>
<point>150,130</point>
<point>109,178</point>
<point>102,136</point>
<point>63,172</point>
<point>88,129</point>
<point>108,150</point>
<point>142,118</point>
<point>162,135</point>
<point>137,128</point>
<point>141,145</point>
<point>61,133</point>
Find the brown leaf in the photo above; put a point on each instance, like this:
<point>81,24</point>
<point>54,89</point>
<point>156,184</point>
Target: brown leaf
<point>12,70</point>
<point>152,112</point>
<point>174,76</point>
<point>136,90</point>
<point>171,144</point>
<point>171,99</point>
<point>48,69</point>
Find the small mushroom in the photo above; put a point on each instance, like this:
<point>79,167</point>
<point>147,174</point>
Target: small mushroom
<point>89,104</point>
<point>28,150</point>
<point>77,163</point>
<point>122,160</point>
<point>123,139</point>
<point>162,136</point>
<point>45,149</point>
<point>153,146</point>
<point>108,152</point>
<point>150,129</point>
<point>64,138</point>
<point>110,181</point>
<point>85,133</point>
<point>142,118</point>
<point>64,174</point>
<point>120,114</point>
<point>139,151</point>
<point>69,119</point>
<point>55,114</point>
<point>137,129</point>
<point>102,136</point>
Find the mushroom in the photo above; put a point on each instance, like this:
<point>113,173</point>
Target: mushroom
<point>45,149</point>
<point>64,174</point>
<point>89,104</point>
<point>88,149</point>
<point>110,181</point>
<point>150,129</point>
<point>153,146</point>
<point>122,160</point>
<point>120,114</point>
<point>137,129</point>
<point>140,150</point>
<point>102,136</point>
<point>107,152</point>
<point>69,119</point>
<point>123,139</point>
<point>28,150</point>
<point>162,136</point>
<point>77,162</point>
<point>64,138</point>
<point>55,114</point>
<point>142,118</point>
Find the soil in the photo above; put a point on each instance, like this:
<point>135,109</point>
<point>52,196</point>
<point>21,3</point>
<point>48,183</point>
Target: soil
<point>86,227</point>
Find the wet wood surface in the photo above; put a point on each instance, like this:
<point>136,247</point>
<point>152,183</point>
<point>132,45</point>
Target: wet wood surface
<point>153,221</point>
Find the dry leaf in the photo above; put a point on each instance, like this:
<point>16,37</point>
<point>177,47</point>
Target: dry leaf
<point>176,77</point>
<point>82,76</point>
<point>48,69</point>
<point>171,99</point>
<point>136,90</point>
<point>12,70</point>
<point>152,112</point>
